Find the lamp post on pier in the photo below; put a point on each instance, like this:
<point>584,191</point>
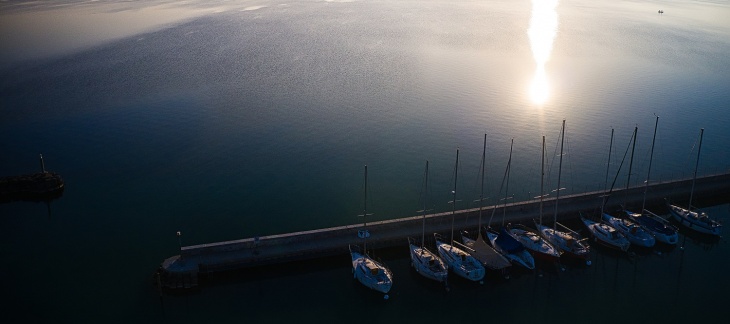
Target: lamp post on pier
<point>179,242</point>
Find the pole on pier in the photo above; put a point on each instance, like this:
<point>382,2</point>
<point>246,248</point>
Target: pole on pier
<point>43,167</point>
<point>179,242</point>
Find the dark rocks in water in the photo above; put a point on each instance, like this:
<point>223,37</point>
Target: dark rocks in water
<point>35,187</point>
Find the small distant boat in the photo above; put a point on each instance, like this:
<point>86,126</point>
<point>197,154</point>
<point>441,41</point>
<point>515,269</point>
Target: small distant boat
<point>511,248</point>
<point>459,261</point>
<point>425,262</point>
<point>632,231</point>
<point>39,186</point>
<point>372,274</point>
<point>694,220</point>
<point>607,235</point>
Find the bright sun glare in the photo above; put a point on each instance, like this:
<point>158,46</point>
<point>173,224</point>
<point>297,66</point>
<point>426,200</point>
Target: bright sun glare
<point>543,27</point>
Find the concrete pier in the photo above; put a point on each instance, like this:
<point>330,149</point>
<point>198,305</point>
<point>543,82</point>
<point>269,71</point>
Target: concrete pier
<point>181,271</point>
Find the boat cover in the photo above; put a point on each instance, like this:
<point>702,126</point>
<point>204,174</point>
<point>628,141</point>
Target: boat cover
<point>508,243</point>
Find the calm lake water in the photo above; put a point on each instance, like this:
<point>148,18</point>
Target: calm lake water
<point>226,120</point>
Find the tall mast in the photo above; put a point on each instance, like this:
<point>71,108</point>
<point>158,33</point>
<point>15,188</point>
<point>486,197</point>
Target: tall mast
<point>692,191</point>
<point>453,193</point>
<point>425,195</point>
<point>506,187</point>
<point>651,157</point>
<point>608,166</point>
<point>560,171</point>
<point>542,176</point>
<point>481,192</point>
<point>365,213</point>
<point>631,162</point>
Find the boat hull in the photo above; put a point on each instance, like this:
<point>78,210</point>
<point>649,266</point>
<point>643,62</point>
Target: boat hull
<point>539,247</point>
<point>571,245</point>
<point>606,235</point>
<point>694,221</point>
<point>632,231</point>
<point>371,273</point>
<point>427,264</point>
<point>460,262</point>
<point>662,231</point>
<point>522,258</point>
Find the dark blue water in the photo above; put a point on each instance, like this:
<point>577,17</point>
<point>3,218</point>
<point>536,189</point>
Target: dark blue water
<point>254,122</point>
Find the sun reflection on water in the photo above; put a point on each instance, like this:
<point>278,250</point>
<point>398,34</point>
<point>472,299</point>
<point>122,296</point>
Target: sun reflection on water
<point>543,27</point>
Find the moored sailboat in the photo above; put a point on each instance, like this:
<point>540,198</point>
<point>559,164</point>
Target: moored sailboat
<point>425,262</point>
<point>630,230</point>
<point>540,247</point>
<point>606,235</point>
<point>371,273</point>
<point>458,260</point>
<point>503,241</point>
<point>695,220</point>
<point>478,247</point>
<point>656,226</point>
<point>567,240</point>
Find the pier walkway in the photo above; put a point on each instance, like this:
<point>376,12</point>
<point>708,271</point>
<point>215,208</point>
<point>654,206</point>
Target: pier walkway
<point>181,271</point>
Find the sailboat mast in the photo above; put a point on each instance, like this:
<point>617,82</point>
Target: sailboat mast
<point>453,193</point>
<point>651,157</point>
<point>560,171</point>
<point>425,196</point>
<point>608,166</point>
<point>542,177</point>
<point>692,191</point>
<point>365,213</point>
<point>481,191</point>
<point>506,187</point>
<point>631,162</point>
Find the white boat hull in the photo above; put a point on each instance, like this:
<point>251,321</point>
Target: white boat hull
<point>461,262</point>
<point>699,222</point>
<point>632,231</point>
<point>428,264</point>
<point>540,247</point>
<point>371,273</point>
<point>566,242</point>
<point>607,235</point>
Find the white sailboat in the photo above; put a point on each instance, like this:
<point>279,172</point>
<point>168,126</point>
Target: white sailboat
<point>478,248</point>
<point>607,235</point>
<point>503,241</point>
<point>371,273</point>
<point>425,262</point>
<point>658,227</point>
<point>632,231</point>
<point>540,247</point>
<point>459,261</point>
<point>694,219</point>
<point>566,240</point>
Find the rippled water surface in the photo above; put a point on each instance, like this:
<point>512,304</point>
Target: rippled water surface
<point>226,120</point>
